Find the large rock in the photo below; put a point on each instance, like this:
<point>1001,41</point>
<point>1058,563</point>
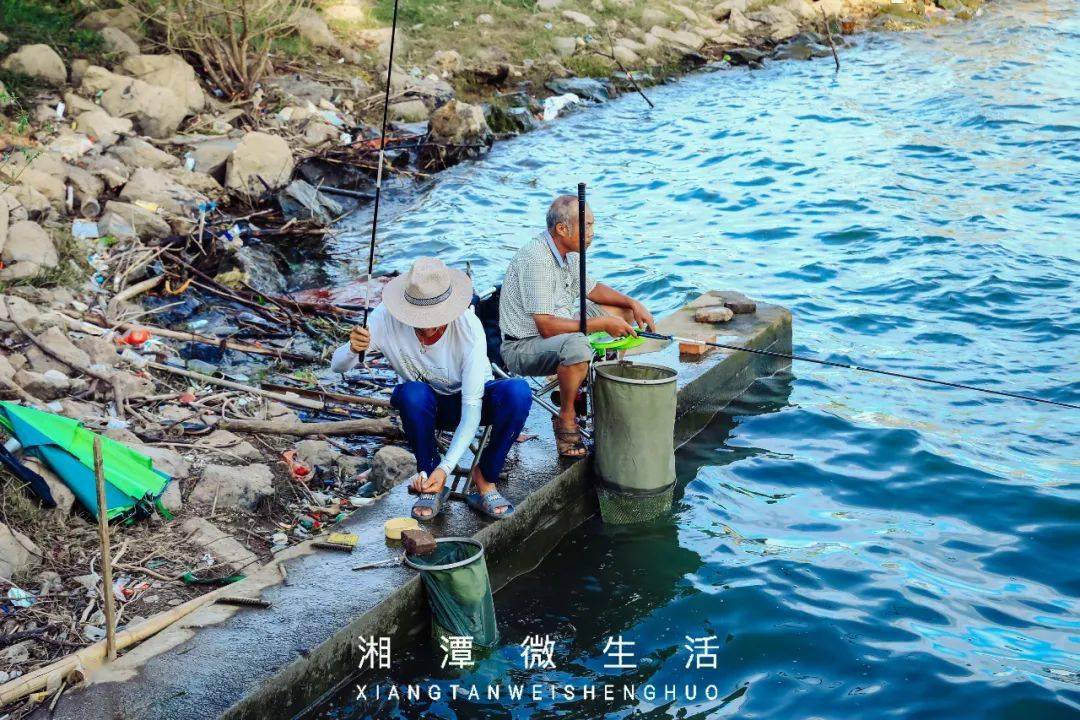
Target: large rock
<point>681,40</point>
<point>230,486</point>
<point>548,5</point>
<point>777,22</point>
<point>125,18</point>
<point>171,72</point>
<point>157,111</point>
<point>224,547</point>
<point>580,18</point>
<point>58,345</point>
<point>447,61</point>
<point>234,446</point>
<point>211,156</point>
<point>65,499</point>
<point>167,461</point>
<point>456,130</point>
<point>22,312</point>
<point>28,251</point>
<point>316,452</point>
<point>99,350</point>
<point>654,16</point>
<point>126,221</point>
<point>103,127</point>
<point>392,465</point>
<point>37,61</point>
<point>155,187</point>
<point>16,552</point>
<point>564,46</point>
<point>409,111</point>
<point>46,386</point>
<point>740,24</point>
<point>171,498</point>
<point>310,26</point>
<point>260,162</point>
<point>119,42</point>
<point>137,153</point>
<point>108,168</point>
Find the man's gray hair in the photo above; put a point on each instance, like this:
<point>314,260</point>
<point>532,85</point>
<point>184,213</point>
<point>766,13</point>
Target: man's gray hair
<point>563,210</point>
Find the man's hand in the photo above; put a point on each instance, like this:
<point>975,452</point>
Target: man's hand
<point>359,339</point>
<point>642,316</point>
<point>432,483</point>
<point>616,327</point>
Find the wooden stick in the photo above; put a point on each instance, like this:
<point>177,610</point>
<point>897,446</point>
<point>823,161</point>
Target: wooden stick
<point>216,342</point>
<point>106,554</point>
<point>376,426</point>
<point>131,292</point>
<point>92,655</point>
<point>325,395</point>
<point>298,401</point>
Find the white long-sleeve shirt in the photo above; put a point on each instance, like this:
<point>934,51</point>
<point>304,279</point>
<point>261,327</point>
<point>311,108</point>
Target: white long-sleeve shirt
<point>457,362</point>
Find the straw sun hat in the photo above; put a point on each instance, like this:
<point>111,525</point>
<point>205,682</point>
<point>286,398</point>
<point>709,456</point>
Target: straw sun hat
<point>429,295</point>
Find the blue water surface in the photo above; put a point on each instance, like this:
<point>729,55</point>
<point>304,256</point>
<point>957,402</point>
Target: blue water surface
<point>859,546</point>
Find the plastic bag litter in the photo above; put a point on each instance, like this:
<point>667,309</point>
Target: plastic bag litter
<point>555,105</point>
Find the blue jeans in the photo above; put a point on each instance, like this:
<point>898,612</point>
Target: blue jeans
<point>423,411</point>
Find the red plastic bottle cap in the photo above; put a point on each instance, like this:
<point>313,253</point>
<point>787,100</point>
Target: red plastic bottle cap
<point>136,336</point>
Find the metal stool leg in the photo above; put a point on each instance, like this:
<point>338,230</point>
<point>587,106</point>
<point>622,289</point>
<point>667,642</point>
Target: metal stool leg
<point>477,448</point>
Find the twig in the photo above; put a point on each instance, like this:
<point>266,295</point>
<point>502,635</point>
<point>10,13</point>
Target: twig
<point>828,35</point>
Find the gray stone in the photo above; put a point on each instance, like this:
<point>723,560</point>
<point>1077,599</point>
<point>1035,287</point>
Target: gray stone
<point>260,162</point>
<point>211,156</point>
<point>316,452</point>
<point>654,16</point>
<point>103,127</point>
<point>7,370</point>
<point>131,385</point>
<point>233,487</point>
<point>37,61</point>
<point>236,447</point>
<point>171,72</point>
<point>17,552</point>
<point>455,131</point>
<point>447,61</point>
<point>409,111</point>
<point>564,46</point>
<point>126,18</point>
<point>126,221</point>
<point>682,40</point>
<point>579,18</point>
<point>391,466</point>
<point>167,461</point>
<point>119,42</point>
<point>65,499</point>
<point>99,350</point>
<point>158,188</point>
<point>28,243</point>
<point>224,547</point>
<point>137,153</point>
<point>59,345</point>
<point>548,6</point>
<point>46,386</point>
<point>22,312</point>
<point>171,499</point>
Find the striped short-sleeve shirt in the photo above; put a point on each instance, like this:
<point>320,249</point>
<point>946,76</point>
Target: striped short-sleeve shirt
<point>539,281</point>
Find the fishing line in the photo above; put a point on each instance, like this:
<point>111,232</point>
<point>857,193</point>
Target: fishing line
<point>860,368</point>
<point>379,175</point>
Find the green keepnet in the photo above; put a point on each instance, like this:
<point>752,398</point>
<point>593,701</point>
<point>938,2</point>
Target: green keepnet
<point>634,421</point>
<point>458,590</point>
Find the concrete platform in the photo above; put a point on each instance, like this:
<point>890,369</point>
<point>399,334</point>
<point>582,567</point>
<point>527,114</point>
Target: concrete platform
<point>261,664</point>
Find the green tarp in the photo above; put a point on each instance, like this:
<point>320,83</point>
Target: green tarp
<point>67,448</point>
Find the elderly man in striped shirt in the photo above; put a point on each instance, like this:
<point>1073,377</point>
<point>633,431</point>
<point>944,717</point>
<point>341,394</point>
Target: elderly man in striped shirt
<point>539,313</point>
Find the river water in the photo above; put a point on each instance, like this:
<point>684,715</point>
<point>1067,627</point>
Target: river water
<point>858,546</point>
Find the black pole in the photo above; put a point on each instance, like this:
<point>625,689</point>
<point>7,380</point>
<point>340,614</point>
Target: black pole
<point>581,253</point>
<point>860,368</point>
<point>382,156</point>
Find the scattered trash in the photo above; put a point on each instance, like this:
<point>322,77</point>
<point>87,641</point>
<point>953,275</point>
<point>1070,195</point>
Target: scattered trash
<point>19,597</point>
<point>84,229</point>
<point>394,527</point>
<point>190,578</point>
<point>554,105</point>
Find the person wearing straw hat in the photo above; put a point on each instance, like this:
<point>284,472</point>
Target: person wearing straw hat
<point>435,343</point>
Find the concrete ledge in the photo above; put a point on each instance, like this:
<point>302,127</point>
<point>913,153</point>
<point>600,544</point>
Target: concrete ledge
<point>262,664</point>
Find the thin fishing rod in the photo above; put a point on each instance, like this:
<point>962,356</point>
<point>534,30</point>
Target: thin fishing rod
<point>860,368</point>
<point>382,157</point>
<point>581,254</point>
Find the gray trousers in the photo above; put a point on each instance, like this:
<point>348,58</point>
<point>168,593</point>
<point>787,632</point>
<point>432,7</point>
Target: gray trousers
<point>542,356</point>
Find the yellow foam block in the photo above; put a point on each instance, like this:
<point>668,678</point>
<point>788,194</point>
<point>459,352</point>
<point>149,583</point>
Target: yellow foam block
<point>394,527</point>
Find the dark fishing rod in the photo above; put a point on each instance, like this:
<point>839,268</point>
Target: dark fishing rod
<point>382,159</point>
<point>581,255</point>
<point>860,368</point>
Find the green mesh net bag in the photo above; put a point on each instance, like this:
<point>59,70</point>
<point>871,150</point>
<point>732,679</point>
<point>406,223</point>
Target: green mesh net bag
<point>459,591</point>
<point>634,421</point>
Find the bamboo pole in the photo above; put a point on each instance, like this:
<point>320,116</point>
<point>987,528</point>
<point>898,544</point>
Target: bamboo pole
<point>90,657</point>
<point>106,552</point>
<point>378,426</point>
